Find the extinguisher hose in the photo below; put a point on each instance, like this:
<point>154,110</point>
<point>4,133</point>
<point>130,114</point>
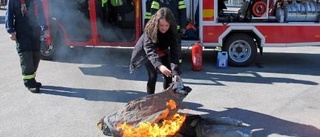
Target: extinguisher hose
<point>184,53</point>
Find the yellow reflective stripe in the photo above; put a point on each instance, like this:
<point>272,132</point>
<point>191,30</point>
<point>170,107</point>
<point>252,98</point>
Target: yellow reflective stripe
<point>182,2</point>
<point>207,13</point>
<point>103,2</point>
<point>155,5</point>
<point>182,6</point>
<point>115,2</point>
<point>29,76</point>
<point>148,15</point>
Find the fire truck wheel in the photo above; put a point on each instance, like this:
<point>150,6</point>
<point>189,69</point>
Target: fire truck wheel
<point>46,51</point>
<point>241,48</point>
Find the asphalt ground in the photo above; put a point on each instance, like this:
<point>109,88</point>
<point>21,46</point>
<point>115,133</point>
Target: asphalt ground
<point>279,96</point>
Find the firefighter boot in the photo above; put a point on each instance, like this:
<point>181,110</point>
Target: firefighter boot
<point>38,84</point>
<point>32,86</point>
<point>34,90</point>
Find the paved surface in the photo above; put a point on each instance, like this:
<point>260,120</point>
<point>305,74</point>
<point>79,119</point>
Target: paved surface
<point>279,98</point>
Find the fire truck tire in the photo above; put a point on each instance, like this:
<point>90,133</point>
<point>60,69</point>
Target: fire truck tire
<point>241,48</point>
<point>56,49</point>
<point>46,51</point>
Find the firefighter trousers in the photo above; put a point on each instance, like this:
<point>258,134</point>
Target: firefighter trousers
<point>29,62</point>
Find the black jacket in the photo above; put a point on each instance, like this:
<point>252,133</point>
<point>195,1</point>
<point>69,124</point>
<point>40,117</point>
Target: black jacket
<point>26,26</point>
<point>145,50</point>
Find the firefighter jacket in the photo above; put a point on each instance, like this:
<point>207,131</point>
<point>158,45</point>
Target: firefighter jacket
<point>178,8</point>
<point>26,19</point>
<point>147,16</point>
<point>103,2</point>
<point>145,50</point>
<point>113,2</point>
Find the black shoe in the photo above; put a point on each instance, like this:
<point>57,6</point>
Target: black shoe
<point>38,84</point>
<point>34,90</point>
<point>150,90</point>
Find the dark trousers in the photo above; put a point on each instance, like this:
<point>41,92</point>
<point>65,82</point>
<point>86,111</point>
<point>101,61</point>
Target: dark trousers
<point>153,73</point>
<point>112,14</point>
<point>29,62</point>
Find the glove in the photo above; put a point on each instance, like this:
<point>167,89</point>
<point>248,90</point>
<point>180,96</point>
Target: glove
<point>176,78</point>
<point>178,85</point>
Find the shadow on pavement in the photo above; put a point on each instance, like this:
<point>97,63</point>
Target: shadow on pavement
<point>122,96</point>
<point>262,125</point>
<point>117,71</point>
<point>1,19</point>
<point>114,62</point>
<point>217,78</point>
<point>281,63</point>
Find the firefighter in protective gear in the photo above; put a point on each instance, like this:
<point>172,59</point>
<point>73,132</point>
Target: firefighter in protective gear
<point>24,21</point>
<point>178,8</point>
<point>110,8</point>
<point>104,10</point>
<point>147,16</point>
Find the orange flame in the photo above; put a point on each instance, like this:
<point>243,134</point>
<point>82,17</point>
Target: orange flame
<point>167,127</point>
<point>171,104</point>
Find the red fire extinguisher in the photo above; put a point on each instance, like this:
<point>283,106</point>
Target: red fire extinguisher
<point>196,57</point>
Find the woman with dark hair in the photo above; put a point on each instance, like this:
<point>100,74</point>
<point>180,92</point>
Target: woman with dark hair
<point>158,49</point>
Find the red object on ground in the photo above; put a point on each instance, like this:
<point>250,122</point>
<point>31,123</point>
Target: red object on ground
<point>196,57</point>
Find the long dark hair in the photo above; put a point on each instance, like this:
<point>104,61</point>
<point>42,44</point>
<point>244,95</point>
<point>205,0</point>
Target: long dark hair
<point>151,28</point>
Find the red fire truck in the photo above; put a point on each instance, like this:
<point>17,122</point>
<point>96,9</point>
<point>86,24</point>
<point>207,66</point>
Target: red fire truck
<point>239,27</point>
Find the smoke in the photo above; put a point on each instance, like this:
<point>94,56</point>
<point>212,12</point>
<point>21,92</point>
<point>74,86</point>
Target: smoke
<point>74,17</point>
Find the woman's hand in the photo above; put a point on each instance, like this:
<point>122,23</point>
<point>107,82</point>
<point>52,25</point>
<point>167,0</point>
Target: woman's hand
<point>165,71</point>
